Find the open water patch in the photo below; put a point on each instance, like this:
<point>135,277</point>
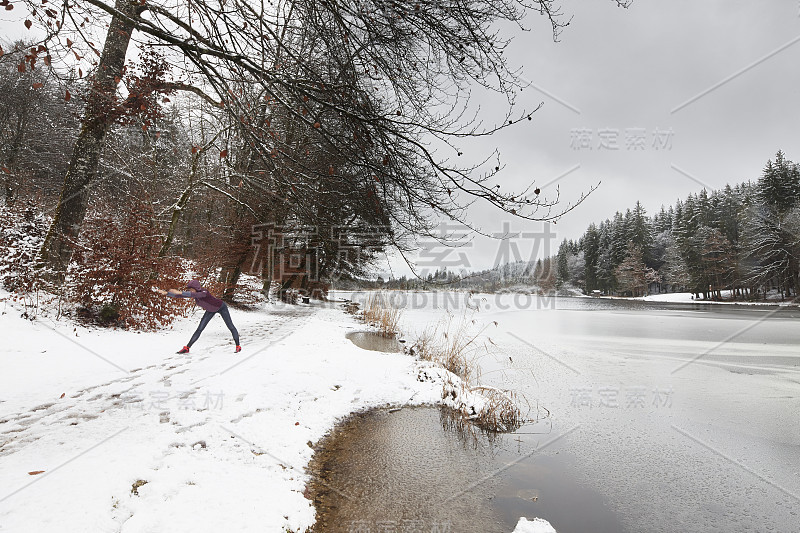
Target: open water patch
<point>407,470</point>
<point>375,341</point>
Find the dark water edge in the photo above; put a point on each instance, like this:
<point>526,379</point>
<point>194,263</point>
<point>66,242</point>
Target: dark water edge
<point>375,341</point>
<point>412,471</point>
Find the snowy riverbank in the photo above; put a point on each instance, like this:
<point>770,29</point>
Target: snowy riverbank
<point>147,440</point>
<point>104,430</point>
<point>688,297</point>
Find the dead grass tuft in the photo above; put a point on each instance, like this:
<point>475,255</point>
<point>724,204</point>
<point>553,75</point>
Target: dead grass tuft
<point>454,347</point>
<point>379,312</point>
<point>501,411</point>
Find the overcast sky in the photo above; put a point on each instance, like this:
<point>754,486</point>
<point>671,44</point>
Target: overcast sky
<point>642,70</point>
<point>618,73</point>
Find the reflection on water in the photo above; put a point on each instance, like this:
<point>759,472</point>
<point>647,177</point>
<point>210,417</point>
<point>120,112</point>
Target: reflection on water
<point>401,469</point>
<point>375,341</point>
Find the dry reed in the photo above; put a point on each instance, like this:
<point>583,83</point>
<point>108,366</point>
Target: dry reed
<point>379,312</point>
<point>454,349</point>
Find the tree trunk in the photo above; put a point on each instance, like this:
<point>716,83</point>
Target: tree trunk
<point>11,162</point>
<point>98,117</point>
<point>176,215</point>
<point>182,201</point>
<point>288,283</point>
<point>9,191</point>
<point>266,284</point>
<point>230,276</point>
<point>230,273</point>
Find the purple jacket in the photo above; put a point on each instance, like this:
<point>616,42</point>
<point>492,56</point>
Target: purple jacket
<point>202,297</point>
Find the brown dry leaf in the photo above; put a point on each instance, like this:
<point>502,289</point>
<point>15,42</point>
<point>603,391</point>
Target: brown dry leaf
<point>38,85</point>
<point>63,394</point>
<point>36,472</point>
<point>67,96</point>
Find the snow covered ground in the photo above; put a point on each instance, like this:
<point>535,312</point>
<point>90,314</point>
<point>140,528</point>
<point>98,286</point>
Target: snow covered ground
<point>688,297</point>
<point>127,436</point>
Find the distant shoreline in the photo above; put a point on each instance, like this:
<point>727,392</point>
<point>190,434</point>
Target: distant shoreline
<point>686,298</point>
<point>671,298</point>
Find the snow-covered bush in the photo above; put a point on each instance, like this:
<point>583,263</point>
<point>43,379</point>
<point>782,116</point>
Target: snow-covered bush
<point>22,231</point>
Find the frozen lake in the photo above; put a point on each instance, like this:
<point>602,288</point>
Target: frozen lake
<point>678,417</point>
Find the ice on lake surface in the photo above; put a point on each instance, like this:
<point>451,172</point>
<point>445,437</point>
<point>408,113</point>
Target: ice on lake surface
<point>683,417</point>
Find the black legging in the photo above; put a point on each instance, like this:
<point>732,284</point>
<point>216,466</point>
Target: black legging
<point>226,316</point>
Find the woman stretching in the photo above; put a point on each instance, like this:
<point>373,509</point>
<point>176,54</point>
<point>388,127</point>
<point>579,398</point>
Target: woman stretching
<point>212,305</point>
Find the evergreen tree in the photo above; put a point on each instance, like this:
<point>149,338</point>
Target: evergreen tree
<point>537,272</point>
<point>640,233</point>
<point>662,221</point>
<point>591,254</point>
<point>658,248</point>
<point>674,272</point>
<point>779,185</point>
<point>619,238</point>
<point>632,273</point>
<point>547,281</point>
<point>562,269</point>
<point>576,266</point>
<point>606,279</point>
<point>716,258</point>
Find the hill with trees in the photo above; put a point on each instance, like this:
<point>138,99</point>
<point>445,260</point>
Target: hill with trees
<point>743,238</point>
